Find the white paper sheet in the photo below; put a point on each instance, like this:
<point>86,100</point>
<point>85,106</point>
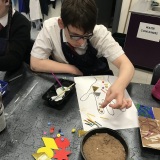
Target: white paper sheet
<point>91,92</point>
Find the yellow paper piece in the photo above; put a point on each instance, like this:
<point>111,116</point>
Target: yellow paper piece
<point>50,143</point>
<point>81,133</point>
<point>49,152</point>
<point>94,88</point>
<point>40,156</point>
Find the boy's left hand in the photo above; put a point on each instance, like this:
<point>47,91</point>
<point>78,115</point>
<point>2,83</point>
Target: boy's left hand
<point>116,93</point>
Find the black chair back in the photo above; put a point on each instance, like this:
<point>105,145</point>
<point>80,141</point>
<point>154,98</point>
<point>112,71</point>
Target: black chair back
<point>27,55</point>
<point>156,74</point>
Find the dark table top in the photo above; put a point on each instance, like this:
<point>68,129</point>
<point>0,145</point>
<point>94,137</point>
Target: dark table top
<point>28,115</point>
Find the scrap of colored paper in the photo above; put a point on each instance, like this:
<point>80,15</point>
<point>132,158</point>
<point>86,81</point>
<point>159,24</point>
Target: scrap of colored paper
<point>40,156</point>
<point>97,94</point>
<point>49,152</point>
<point>106,85</point>
<point>51,130</point>
<point>150,132</point>
<point>49,142</point>
<point>62,154</point>
<point>94,88</point>
<point>81,133</point>
<point>62,144</point>
<point>145,111</point>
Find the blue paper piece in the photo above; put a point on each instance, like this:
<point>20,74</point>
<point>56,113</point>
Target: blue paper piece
<point>145,111</point>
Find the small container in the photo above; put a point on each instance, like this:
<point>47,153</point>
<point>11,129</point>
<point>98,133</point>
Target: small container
<point>3,87</point>
<point>52,92</point>
<point>2,117</point>
<point>111,132</point>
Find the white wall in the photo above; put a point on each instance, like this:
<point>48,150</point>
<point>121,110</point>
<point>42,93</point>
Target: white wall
<point>157,1</point>
<point>125,15</point>
<point>142,6</point>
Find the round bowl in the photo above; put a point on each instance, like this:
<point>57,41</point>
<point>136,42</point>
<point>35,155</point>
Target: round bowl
<point>111,132</point>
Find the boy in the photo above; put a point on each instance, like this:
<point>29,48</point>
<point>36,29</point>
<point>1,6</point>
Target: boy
<point>79,46</point>
<point>14,37</point>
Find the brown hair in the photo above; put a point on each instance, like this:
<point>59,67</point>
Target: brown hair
<point>81,14</point>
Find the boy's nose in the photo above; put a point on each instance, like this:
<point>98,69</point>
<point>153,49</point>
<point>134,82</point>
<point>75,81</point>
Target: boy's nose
<point>81,41</point>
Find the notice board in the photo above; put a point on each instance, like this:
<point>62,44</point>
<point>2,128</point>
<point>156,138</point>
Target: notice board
<point>142,44</point>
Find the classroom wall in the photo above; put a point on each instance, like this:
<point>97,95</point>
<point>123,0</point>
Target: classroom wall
<point>125,15</point>
<point>128,5</point>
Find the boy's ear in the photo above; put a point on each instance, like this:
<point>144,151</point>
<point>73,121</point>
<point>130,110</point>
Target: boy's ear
<point>60,23</point>
<point>7,2</point>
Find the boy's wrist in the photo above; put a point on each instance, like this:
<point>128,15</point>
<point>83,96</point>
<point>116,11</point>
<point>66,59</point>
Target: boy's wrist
<point>74,70</point>
<point>69,69</point>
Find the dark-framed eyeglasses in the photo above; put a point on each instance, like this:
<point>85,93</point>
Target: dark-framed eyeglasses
<point>78,37</point>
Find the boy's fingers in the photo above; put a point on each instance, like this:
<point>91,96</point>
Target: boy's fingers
<point>118,103</point>
<point>129,103</point>
<point>107,99</point>
<point>125,104</point>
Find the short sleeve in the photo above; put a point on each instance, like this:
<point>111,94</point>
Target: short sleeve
<point>42,47</point>
<point>103,41</point>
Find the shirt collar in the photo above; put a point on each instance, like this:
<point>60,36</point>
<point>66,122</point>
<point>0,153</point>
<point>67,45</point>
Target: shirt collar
<point>4,20</point>
<point>64,37</point>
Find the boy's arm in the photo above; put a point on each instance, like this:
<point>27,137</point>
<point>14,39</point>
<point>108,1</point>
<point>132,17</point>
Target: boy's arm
<point>108,48</point>
<point>41,51</point>
<point>116,91</point>
<point>49,66</point>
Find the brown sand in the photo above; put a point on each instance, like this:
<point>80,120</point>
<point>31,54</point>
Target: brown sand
<point>102,146</point>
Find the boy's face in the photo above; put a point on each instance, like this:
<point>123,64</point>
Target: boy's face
<point>75,36</point>
<point>3,7</point>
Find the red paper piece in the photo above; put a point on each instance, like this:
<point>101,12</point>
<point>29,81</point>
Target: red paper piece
<point>62,143</point>
<point>51,129</point>
<point>62,154</point>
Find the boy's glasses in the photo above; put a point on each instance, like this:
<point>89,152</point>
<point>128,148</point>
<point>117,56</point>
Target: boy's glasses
<point>78,37</point>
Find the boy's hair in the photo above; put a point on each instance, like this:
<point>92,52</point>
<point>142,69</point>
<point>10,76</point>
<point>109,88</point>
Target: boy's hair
<point>81,14</point>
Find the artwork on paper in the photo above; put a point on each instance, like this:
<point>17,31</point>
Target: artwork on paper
<point>149,122</point>
<point>91,92</point>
